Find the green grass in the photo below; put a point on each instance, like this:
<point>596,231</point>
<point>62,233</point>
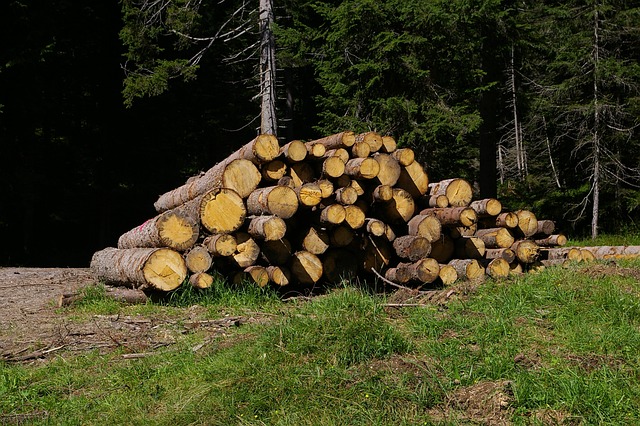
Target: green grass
<point>567,342</point>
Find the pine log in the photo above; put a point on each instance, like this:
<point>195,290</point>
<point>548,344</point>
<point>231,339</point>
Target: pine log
<point>495,237</point>
<point>294,151</point>
<point>614,252</point>
<point>469,269</point>
<point>268,227</point>
<point>401,207</point>
<point>388,144</point>
<point>280,201</point>
<point>515,268</point>
<point>564,253</point>
<point>424,271</point>
<point>360,150</point>
<point>359,186</point>
<point>201,280</point>
<point>462,231</point>
<point>397,275</point>
<point>254,274</point>
<point>447,274</point>
<point>316,240</point>
<point>287,181</point>
<point>382,193</point>
<point>405,156</point>
<point>497,268</point>
<point>545,227</point>
<point>389,233</point>
<point>220,245</point>
<point>175,229</point>
<point>333,167</point>
<point>222,211</point>
<point>439,201</point>
<point>326,187</point>
<point>119,294</point>
<point>362,168</point>
<point>346,195</point>
<point>341,236</point>
<point>315,150</point>
<point>458,191</point>
<point>306,268</point>
<point>587,255</point>
<point>375,227</point>
<point>453,216</point>
<point>501,253</point>
<point>198,259</point>
<point>469,248</point>
<point>354,216</point>
<point>247,251</point>
<point>556,240</point>
<point>341,153</point>
<point>442,249</point>
<point>309,194</point>
<point>279,275</point>
<point>390,169</point>
<point>339,140</point>
<point>487,207</point>
<point>426,226</point>
<point>378,253</point>
<point>412,247</point>
<point>273,170</point>
<point>142,268</point>
<point>276,252</point>
<point>503,220</point>
<point>526,251</point>
<point>527,223</point>
<point>339,264</point>
<point>302,173</point>
<point>333,214</point>
<point>373,139</point>
<point>413,179</point>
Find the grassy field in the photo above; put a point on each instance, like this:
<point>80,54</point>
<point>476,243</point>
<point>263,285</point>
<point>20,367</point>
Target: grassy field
<point>557,347</point>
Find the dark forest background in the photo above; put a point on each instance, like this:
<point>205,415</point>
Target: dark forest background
<point>105,105</point>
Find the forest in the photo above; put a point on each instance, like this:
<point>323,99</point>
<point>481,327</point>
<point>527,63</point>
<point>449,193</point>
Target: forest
<point>106,105</point>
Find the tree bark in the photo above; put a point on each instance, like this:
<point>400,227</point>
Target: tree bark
<point>453,216</point>
<point>458,191</point>
<point>373,139</point>
<point>268,228</point>
<point>412,247</point>
<point>487,207</point>
<point>280,201</point>
<point>469,269</point>
<point>496,237</point>
<point>362,168</point>
<point>220,245</point>
<point>175,229</point>
<point>426,226</point>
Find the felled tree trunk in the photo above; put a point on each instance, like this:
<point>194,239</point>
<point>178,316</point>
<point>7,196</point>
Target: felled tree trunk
<point>306,267</point>
<point>526,251</point>
<point>556,240</point>
<point>142,268</point>
<point>247,250</point>
<point>458,191</point>
<point>447,274</point>
<point>294,151</point>
<point>338,140</point>
<point>201,280</point>
<point>412,247</point>
<point>497,268</point>
<point>268,228</point>
<point>175,229</point>
<point>280,201</point>
<point>390,169</point>
<point>405,156</point>
<point>527,223</point>
<point>469,269</point>
<point>198,259</point>
<point>453,216</point>
<point>470,247</point>
<point>220,245</point>
<point>495,237</point>
<point>426,226</point>
<point>487,207</point>
<point>362,168</point>
<point>414,179</point>
<point>221,210</point>
<point>501,253</point>
<point>400,208</point>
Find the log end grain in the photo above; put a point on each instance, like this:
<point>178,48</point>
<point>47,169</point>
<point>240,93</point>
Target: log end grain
<point>222,211</point>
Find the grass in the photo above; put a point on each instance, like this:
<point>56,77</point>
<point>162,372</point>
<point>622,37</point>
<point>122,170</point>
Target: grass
<point>566,343</point>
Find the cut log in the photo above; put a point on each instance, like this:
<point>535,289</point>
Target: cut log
<point>487,207</point>
<point>273,170</point>
<point>198,259</point>
<point>222,211</point>
<point>360,150</point>
<point>378,253</point>
<point>175,229</point>
<point>462,231</point>
<point>333,214</point>
<point>412,247</point>
<point>333,167</point>
<point>442,249</point>
<point>338,265</point>
<point>424,271</point>
<point>375,227</point>
<point>545,227</point>
<point>268,228</point>
<point>556,240</point>
<point>362,168</point>
<point>515,268</point>
<point>497,268</point>
<point>253,274</point>
<point>341,236</point>
<point>503,220</point>
<point>302,173</point>
<point>119,294</point>
<point>458,191</point>
<point>453,216</point>
<point>326,187</point>
<point>341,153</point>
<point>389,233</point>
<point>382,193</point>
<point>306,268</point>
<point>294,151</point>
<point>495,237</point>
<point>390,169</point>
<point>276,252</point>
<point>315,150</point>
<point>373,139</point>
<point>469,269</point>
<point>587,255</point>
<point>201,280</point>
<point>526,251</point>
<point>426,226</point>
<point>439,201</point>
<point>339,140</point>
<point>388,144</point>
<point>501,253</point>
<point>397,275</point>
<point>527,223</point>
<point>346,195</point>
<point>142,268</point>
<point>414,180</point>
<point>401,207</point>
<point>447,274</point>
<point>278,275</point>
<point>354,216</point>
<point>309,194</point>
<point>247,251</point>
<point>280,201</point>
<point>469,248</point>
<point>220,245</point>
<point>316,240</point>
<point>405,156</point>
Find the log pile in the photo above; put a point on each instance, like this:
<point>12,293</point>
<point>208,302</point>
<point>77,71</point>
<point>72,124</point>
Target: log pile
<point>320,211</point>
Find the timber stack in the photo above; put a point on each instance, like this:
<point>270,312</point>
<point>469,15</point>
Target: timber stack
<point>316,212</point>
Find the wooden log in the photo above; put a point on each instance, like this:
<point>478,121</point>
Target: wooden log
<point>333,167</point>
<point>390,169</point>
<point>201,280</point>
<point>286,181</point>
<point>198,259</point>
<point>279,275</point>
<point>426,226</point>
<point>424,271</point>
<point>339,264</point>
<point>268,227</point>
<point>119,294</point>
<point>414,180</point>
<point>389,233</point>
<point>306,268</point>
<point>469,248</point>
<point>316,240</point>
<point>382,193</point>
<point>277,252</point>
<point>315,150</point>
<point>254,274</point>
<point>236,172</point>
<point>515,268</point>
<point>487,207</point>
<point>401,207</point>
<point>338,140</point>
<point>142,268</point>
<point>469,269</point>
<point>309,194</point>
<point>462,231</point>
<point>587,255</point>
<point>412,247</point>
<point>341,153</point>
<point>222,211</point>
<point>527,223</point>
<point>495,237</point>
<point>397,275</point>
<point>176,229</point>
<point>375,227</point>
<point>333,214</point>
<point>280,201</point>
<point>388,144</point>
<point>556,240</point>
<point>500,253</point>
<point>294,151</point>
<point>247,251</point>
<point>503,220</point>
<point>453,216</point>
<point>614,252</point>
<point>362,168</point>
<point>326,187</point>
<point>526,251</point>
<point>564,253</point>
<point>377,254</point>
<point>405,156</point>
<point>302,173</point>
<point>443,249</point>
<point>341,236</point>
<point>273,170</point>
<point>373,139</point>
<point>447,274</point>
<point>360,150</point>
<point>346,195</point>
<point>439,201</point>
<point>545,227</point>
<point>458,191</point>
<point>497,268</point>
<point>220,245</point>
<point>354,216</point>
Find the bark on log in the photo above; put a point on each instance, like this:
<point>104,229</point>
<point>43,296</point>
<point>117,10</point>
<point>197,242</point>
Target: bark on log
<point>496,237</point>
<point>469,269</point>
<point>119,294</point>
<point>220,245</point>
<point>201,280</point>
<point>501,253</point>
<point>401,207</point>
<point>426,226</point>
<point>556,240</point>
<point>442,249</point>
<point>333,214</point>
<point>470,248</point>
<point>424,271</point>
<point>294,151</point>
<point>599,252</point>
<point>497,268</point>
<point>273,170</point>
<point>458,191</point>
<point>222,211</point>
<point>142,268</point>
<point>198,259</point>
<point>247,251</point>
<point>175,229</point>
<point>412,247</point>
<point>280,276</point>
<point>373,139</point>
<point>503,220</point>
<point>362,168</point>
<point>439,201</point>
<point>280,201</point>
<point>268,228</point>
<point>447,274</point>
<point>526,251</point>
<point>346,195</point>
<point>487,207</point>
<point>315,150</point>
<point>375,227</point>
<point>341,153</point>
<point>545,227</point>
<point>527,223</point>
<point>306,268</point>
<point>453,216</point>
<point>382,193</point>
<point>405,156</point>
<point>414,180</point>
<point>390,169</point>
<point>338,140</point>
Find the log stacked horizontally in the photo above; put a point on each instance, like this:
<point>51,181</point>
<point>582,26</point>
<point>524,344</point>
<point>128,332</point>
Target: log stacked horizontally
<point>324,210</point>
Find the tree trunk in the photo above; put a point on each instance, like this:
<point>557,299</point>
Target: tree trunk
<point>527,223</point>
<point>268,123</point>
<point>142,268</point>
<point>268,228</point>
<point>198,259</point>
<point>375,227</point>
<point>453,216</point>
<point>360,150</point>
<point>280,201</point>
<point>442,249</point>
<point>405,156</point>
<point>175,229</point>
<point>362,168</point>
<point>333,167</point>
<point>412,247</point>
<point>526,251</point>
<point>458,191</point>
<point>487,207</point>
<point>221,211</point>
<point>309,194</point>
<point>447,274</point>
<point>346,195</point>
<point>426,226</point>
<point>354,216</point>
<point>496,237</point>
<point>333,214</point>
<point>276,252</point>
<point>413,179</point>
<point>390,169</point>
<point>469,269</point>
<point>316,241</point>
<point>497,268</point>
<point>552,241</point>
<point>274,170</point>
<point>545,227</point>
<point>400,208</point>
<point>373,139</point>
<point>338,140</point>
<point>306,267</point>
<point>280,276</point>
<point>201,280</point>
<point>388,144</point>
<point>501,253</point>
<point>503,220</point>
<point>294,151</point>
<point>220,245</point>
<point>469,248</point>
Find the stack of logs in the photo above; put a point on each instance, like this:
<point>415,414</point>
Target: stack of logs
<point>320,211</point>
